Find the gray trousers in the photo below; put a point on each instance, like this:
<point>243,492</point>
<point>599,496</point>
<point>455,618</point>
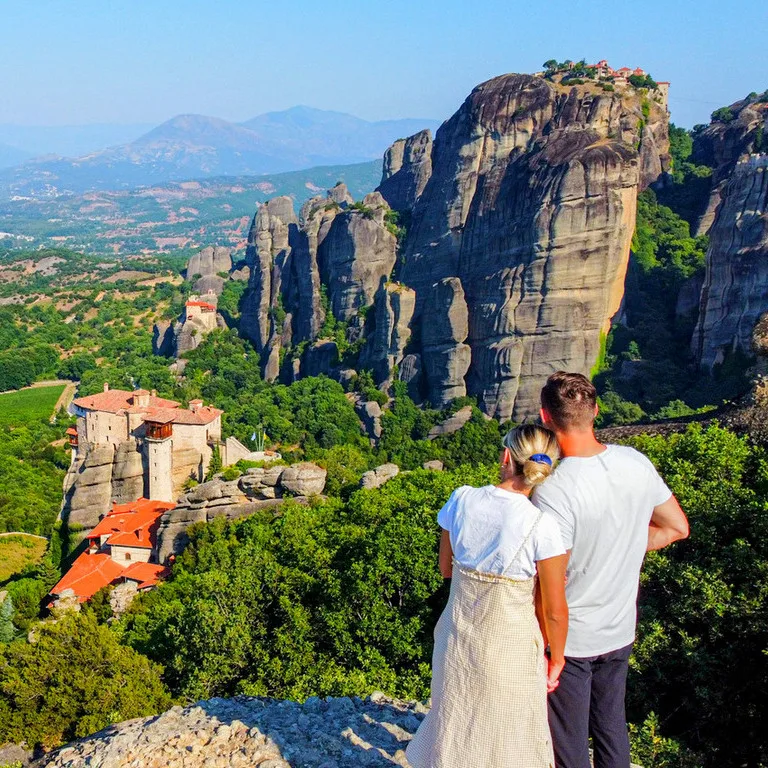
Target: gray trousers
<point>590,702</point>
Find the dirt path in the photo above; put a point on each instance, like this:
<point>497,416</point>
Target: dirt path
<point>24,533</point>
<point>65,398</point>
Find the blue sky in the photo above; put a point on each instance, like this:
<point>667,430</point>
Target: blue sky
<point>67,62</point>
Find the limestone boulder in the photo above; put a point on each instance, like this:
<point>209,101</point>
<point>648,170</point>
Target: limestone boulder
<point>452,424</point>
<point>375,478</point>
<point>435,465</point>
<point>304,479</point>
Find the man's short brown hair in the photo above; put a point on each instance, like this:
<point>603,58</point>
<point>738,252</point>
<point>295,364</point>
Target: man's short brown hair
<point>569,399</point>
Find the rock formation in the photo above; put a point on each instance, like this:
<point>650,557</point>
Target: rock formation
<point>206,267</point>
<point>735,291</point>
<point>407,168</point>
<point>376,477</point>
<point>257,490</point>
<point>248,731</point>
<point>100,476</point>
<point>198,319</point>
<point>334,258</point>
<point>486,260</point>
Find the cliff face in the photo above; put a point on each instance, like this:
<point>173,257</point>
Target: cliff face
<point>721,145</point>
<point>519,218</point>
<point>531,207</point>
<point>735,291</point>
<point>334,258</point>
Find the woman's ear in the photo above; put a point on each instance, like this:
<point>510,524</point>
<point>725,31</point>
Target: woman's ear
<point>506,458</point>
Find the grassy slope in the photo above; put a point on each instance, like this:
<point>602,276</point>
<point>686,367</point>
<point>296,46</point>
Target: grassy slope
<point>25,405</point>
<point>17,552</point>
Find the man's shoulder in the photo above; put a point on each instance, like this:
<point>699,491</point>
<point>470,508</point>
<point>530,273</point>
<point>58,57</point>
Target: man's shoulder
<point>631,457</point>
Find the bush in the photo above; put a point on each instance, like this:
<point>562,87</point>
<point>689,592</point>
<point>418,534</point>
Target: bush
<point>74,679</point>
<point>723,115</point>
<point>700,662</point>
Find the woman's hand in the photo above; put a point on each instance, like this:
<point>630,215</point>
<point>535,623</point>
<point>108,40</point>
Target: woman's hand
<point>554,668</point>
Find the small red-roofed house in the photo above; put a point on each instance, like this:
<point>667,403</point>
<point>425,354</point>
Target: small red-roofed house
<point>123,544</point>
<point>146,575</point>
<point>89,573</point>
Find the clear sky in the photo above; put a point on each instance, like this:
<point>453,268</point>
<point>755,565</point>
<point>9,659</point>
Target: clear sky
<point>143,61</point>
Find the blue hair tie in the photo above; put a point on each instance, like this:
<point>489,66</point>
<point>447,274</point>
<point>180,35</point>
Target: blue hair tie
<point>541,458</point>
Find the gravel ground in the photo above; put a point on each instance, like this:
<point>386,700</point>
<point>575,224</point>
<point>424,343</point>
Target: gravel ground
<point>248,731</point>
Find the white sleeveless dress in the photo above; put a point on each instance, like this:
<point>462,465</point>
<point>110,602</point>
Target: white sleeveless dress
<point>489,690</point>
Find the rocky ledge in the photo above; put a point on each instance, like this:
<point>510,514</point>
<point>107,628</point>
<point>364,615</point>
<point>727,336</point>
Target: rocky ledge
<point>248,731</point>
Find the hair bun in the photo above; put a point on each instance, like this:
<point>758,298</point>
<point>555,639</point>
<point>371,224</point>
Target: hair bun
<point>536,472</point>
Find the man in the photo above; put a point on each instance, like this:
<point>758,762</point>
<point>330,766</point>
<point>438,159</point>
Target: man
<point>612,508</point>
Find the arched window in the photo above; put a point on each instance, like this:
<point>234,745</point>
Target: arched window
<point>127,555</point>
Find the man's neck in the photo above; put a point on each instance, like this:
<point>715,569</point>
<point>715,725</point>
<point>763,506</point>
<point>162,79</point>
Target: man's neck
<point>582,444</point>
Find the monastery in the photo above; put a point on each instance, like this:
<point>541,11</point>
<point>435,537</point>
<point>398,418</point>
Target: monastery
<point>177,443</point>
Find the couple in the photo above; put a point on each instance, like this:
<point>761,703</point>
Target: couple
<point>559,571</point>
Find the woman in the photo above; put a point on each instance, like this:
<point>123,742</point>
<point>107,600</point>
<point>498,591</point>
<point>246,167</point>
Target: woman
<point>490,676</point>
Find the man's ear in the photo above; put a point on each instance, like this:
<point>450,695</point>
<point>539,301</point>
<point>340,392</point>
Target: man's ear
<point>544,416</point>
<point>597,409</point>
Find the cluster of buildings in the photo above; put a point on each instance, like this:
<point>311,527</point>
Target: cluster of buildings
<point>177,442</point>
<point>604,71</point>
<point>121,549</point>
<point>171,444</point>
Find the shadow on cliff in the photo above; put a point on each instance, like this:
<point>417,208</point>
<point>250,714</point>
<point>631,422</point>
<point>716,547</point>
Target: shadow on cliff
<point>340,731</point>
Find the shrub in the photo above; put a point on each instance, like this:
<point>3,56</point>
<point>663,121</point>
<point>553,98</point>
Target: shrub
<point>723,115</point>
<point>74,679</point>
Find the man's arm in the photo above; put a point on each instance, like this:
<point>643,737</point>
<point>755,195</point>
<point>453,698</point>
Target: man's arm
<point>668,524</point>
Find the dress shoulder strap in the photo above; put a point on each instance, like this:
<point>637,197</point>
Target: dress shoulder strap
<point>525,541</point>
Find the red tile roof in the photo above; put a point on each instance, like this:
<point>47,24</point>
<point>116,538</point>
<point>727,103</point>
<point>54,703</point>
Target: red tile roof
<point>147,574</point>
<point>88,574</point>
<point>204,415</point>
<point>203,304</point>
<point>72,431</point>
<point>132,525</point>
<point>159,410</point>
<point>116,400</point>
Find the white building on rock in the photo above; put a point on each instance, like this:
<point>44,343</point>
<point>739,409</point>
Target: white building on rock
<point>175,443</point>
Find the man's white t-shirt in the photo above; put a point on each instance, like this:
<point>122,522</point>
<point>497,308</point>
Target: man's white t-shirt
<point>603,505</point>
<point>487,526</point>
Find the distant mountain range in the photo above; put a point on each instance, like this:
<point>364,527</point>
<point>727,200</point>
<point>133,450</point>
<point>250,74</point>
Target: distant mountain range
<point>195,147</point>
<point>66,140</point>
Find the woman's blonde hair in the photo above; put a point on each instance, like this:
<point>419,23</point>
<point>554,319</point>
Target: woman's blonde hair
<point>533,450</point>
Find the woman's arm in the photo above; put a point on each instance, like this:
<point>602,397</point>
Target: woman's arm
<point>553,614</point>
<point>446,555</point>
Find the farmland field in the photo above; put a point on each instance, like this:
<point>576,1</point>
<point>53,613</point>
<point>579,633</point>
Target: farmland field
<point>17,552</point>
<point>25,405</point>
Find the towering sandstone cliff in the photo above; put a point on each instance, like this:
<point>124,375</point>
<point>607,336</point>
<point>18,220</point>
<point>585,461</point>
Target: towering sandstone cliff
<point>735,291</point>
<point>518,223</point>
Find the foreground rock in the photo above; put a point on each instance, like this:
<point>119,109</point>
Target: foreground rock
<point>245,731</point>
